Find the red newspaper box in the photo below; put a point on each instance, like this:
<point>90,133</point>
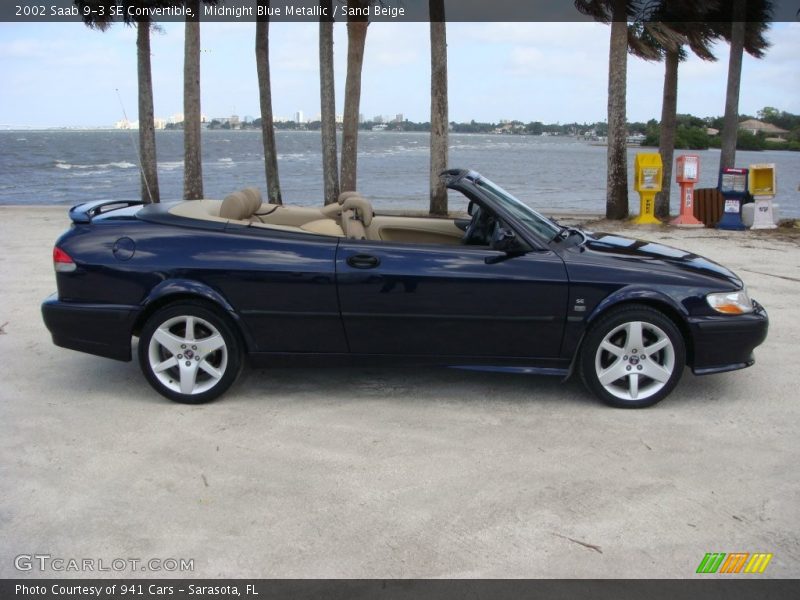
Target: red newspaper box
<point>687,174</point>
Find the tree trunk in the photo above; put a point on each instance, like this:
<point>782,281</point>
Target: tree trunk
<point>327,97</point>
<point>617,177</point>
<point>439,113</point>
<point>192,155</point>
<point>147,131</point>
<point>669,110</point>
<point>265,94</point>
<point>356,38</point>
<point>730,124</point>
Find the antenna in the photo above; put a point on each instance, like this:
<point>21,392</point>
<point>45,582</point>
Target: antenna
<point>135,147</point>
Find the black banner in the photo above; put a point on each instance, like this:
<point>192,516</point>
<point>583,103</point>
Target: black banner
<point>398,11</point>
<point>405,589</point>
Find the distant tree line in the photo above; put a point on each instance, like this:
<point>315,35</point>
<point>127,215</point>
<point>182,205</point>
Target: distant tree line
<point>690,131</point>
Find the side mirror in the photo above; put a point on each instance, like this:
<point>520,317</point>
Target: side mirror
<point>505,240</point>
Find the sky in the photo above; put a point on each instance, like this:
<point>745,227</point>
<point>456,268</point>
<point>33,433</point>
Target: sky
<point>65,75</point>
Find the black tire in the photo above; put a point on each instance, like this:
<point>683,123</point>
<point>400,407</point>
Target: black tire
<point>664,360</point>
<point>207,372</point>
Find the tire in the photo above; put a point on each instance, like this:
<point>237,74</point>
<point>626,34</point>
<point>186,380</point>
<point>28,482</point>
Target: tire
<point>645,376</point>
<point>210,355</point>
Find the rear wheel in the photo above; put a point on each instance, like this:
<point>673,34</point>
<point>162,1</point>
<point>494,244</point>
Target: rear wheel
<point>633,357</point>
<point>189,353</point>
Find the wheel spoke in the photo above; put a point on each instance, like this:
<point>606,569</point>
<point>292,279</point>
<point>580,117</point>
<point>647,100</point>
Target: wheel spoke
<point>166,364</point>
<point>188,378</point>
<point>214,372</point>
<point>633,385</point>
<point>611,348</point>
<point>170,341</point>
<point>655,371</point>
<point>634,339</point>
<point>208,345</point>
<point>655,347</point>
<point>189,329</point>
<point>612,373</point>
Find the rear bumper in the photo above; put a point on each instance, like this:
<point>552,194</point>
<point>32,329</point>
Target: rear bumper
<point>100,329</point>
<point>726,343</point>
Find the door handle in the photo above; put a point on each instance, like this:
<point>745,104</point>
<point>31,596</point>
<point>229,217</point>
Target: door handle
<point>363,261</point>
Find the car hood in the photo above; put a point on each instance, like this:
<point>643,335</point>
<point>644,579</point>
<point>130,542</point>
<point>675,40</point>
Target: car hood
<point>657,255</point>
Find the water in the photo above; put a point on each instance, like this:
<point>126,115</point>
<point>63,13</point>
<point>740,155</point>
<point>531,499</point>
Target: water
<point>67,167</point>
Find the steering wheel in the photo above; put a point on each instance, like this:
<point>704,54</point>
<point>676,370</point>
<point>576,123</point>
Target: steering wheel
<point>475,235</point>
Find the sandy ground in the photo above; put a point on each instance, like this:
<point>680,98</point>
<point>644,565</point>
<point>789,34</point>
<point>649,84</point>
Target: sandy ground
<point>396,473</point>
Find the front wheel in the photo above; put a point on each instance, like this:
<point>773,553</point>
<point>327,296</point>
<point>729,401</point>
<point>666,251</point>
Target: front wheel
<point>633,357</point>
<point>189,353</point>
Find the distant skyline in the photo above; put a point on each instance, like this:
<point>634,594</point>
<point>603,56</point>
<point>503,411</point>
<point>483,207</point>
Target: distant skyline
<point>65,75</point>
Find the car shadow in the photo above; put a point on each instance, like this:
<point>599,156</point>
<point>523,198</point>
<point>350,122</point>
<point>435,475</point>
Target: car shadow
<point>417,385</point>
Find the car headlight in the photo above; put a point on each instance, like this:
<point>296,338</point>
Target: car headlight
<point>731,303</point>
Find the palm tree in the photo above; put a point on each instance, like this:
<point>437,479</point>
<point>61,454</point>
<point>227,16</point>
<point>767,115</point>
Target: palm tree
<point>327,96</point>
<point>356,38</point>
<point>439,117</point>
<point>98,16</point>
<point>664,36</point>
<point>192,155</point>
<point>617,13</point>
<point>265,94</point>
<point>743,23</point>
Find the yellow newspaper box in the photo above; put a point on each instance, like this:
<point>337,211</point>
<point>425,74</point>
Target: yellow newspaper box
<point>649,172</point>
<point>762,180</point>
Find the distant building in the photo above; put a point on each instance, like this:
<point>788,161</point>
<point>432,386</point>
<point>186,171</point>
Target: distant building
<point>299,117</point>
<point>177,118</point>
<point>125,124</point>
<point>159,123</point>
<point>360,118</point>
<point>398,118</point>
<point>340,118</point>
<point>755,126</point>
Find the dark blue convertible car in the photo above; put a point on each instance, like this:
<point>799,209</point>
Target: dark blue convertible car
<point>205,284</point>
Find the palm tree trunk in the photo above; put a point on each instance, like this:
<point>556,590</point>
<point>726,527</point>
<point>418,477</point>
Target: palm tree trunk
<point>356,38</point>
<point>192,156</point>
<point>617,177</point>
<point>730,124</point>
<point>147,131</point>
<point>439,112</point>
<point>327,97</point>
<point>669,109</point>
<point>265,94</point>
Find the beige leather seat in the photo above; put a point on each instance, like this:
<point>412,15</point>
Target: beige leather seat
<point>237,207</point>
<point>357,214</point>
<point>254,196</point>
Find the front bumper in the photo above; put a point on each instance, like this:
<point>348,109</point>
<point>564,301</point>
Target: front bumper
<point>100,329</point>
<point>726,343</point>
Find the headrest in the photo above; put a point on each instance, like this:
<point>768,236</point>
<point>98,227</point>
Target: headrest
<point>345,195</point>
<point>236,206</point>
<point>362,207</point>
<point>253,195</point>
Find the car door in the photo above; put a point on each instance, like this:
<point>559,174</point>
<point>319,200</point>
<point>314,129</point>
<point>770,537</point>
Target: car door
<point>283,286</point>
<point>450,300</point>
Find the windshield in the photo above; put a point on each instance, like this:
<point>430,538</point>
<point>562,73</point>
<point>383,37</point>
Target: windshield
<point>540,224</point>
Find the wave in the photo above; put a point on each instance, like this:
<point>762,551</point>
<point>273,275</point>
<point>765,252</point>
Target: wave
<point>123,164</point>
<point>170,165</point>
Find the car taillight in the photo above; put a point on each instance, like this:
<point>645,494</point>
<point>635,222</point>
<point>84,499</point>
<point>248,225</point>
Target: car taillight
<point>62,262</point>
